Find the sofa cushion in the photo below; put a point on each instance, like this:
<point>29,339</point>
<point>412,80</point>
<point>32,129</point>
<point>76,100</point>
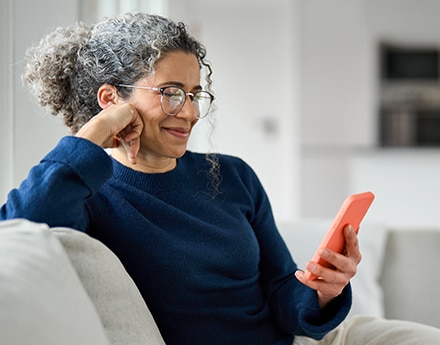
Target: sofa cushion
<point>409,277</point>
<point>123,311</point>
<point>42,300</point>
<point>303,237</point>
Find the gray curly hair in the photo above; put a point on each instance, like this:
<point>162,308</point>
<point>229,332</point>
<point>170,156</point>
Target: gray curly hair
<point>66,68</point>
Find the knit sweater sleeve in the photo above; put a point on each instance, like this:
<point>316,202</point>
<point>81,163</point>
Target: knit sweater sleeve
<point>56,190</point>
<point>294,306</point>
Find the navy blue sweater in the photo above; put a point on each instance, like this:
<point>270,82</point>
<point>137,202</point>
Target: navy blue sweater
<point>212,270</point>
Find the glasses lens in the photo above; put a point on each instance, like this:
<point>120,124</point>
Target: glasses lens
<point>202,102</point>
<point>172,100</point>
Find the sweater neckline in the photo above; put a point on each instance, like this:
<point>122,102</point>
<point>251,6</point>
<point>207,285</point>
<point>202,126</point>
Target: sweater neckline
<point>152,182</point>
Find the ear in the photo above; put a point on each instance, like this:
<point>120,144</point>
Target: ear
<point>107,96</point>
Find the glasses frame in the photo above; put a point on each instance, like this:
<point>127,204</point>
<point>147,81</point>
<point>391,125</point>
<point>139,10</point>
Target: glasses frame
<point>161,90</point>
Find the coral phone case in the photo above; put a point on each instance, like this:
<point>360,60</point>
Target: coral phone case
<point>352,211</point>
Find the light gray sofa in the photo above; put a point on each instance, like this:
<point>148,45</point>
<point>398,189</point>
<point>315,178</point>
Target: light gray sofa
<point>397,277</point>
<point>59,286</point>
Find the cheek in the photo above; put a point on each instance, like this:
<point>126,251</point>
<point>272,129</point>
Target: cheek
<point>150,112</point>
<point>152,119</point>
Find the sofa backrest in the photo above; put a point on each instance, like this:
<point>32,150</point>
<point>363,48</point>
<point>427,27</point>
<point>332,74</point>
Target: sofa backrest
<point>122,309</point>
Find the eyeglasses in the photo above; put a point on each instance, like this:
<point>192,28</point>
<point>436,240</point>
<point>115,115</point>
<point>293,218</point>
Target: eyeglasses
<point>172,99</point>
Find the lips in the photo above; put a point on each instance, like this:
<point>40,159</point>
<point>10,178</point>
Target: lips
<point>178,132</point>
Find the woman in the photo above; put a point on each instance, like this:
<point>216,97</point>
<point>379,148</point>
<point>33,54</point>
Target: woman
<point>195,232</point>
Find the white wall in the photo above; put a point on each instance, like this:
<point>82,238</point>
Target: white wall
<point>407,21</point>
<point>254,51</point>
<point>6,154</point>
<point>30,132</point>
<point>338,110</point>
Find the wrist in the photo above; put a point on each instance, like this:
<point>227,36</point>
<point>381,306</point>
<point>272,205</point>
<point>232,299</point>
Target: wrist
<point>324,300</point>
<point>94,133</point>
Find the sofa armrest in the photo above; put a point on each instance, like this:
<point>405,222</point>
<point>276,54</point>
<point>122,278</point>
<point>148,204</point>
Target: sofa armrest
<point>60,286</point>
<point>42,300</point>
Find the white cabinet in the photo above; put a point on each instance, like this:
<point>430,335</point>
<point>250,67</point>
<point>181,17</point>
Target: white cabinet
<point>406,183</point>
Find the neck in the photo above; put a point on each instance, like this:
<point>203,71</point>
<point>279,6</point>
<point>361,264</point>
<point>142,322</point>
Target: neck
<point>146,164</point>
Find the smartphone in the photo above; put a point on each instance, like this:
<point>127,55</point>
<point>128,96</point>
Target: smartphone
<point>352,211</point>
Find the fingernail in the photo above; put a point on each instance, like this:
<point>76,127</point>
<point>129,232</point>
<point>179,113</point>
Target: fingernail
<point>323,253</point>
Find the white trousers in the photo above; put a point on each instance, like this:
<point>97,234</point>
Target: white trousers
<point>365,330</point>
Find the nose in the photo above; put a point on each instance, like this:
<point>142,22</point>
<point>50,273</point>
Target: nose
<point>188,110</point>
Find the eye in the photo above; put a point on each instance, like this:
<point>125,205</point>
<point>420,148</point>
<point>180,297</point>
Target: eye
<point>202,96</point>
<point>173,93</point>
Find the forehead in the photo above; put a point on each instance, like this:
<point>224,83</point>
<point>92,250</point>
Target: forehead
<point>177,66</point>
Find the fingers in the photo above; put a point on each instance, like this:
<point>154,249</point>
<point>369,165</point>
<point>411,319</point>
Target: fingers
<point>125,121</point>
<point>131,148</point>
<point>352,244</point>
<point>332,280</point>
<point>129,136</point>
<point>328,286</point>
<point>345,263</point>
<point>117,125</point>
<point>326,289</point>
<point>302,278</point>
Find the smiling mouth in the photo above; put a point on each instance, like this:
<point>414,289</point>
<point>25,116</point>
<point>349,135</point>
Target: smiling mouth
<point>178,132</point>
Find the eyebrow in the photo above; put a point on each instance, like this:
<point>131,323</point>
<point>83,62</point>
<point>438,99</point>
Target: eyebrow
<point>179,84</point>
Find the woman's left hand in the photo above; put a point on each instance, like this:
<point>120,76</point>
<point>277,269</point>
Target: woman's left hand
<point>332,281</point>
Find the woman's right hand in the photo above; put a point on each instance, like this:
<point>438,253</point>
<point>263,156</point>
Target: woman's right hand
<point>119,124</point>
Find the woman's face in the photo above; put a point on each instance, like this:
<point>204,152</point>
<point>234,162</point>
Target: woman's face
<point>166,137</point>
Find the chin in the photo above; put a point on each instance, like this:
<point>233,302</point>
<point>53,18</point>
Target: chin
<point>178,153</point>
